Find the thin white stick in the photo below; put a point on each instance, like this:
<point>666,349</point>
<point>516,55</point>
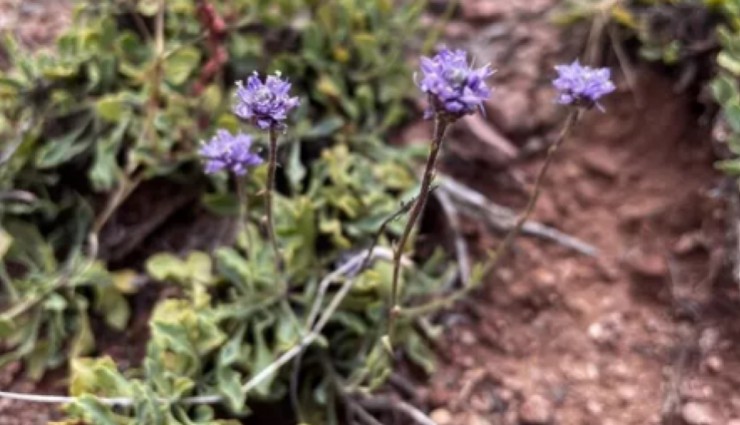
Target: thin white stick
<point>307,340</point>
<point>378,252</point>
<point>461,246</point>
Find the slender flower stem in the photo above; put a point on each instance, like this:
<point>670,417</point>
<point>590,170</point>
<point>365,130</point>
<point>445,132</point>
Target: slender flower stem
<point>503,248</point>
<point>440,128</point>
<point>243,224</point>
<point>271,167</point>
<point>568,126</point>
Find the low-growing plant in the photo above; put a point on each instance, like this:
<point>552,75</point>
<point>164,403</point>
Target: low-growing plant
<point>310,302</point>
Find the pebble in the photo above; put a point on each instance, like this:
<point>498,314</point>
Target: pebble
<point>602,162</point>
<point>482,10</point>
<point>441,417</point>
<point>468,338</point>
<point>714,363</point>
<point>608,330</point>
<point>648,264</point>
<point>475,419</point>
<point>536,410</point>
<point>694,413</point>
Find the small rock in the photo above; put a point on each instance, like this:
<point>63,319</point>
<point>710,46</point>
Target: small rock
<point>482,10</point>
<point>441,417</point>
<point>468,338</point>
<point>708,339</point>
<point>475,419</point>
<point>536,410</point>
<point>698,414</point>
<point>594,407</point>
<point>607,331</point>
<point>601,162</point>
<point>646,209</point>
<point>648,264</point>
<point>627,393</point>
<point>688,242</point>
<point>545,278</point>
<point>714,364</point>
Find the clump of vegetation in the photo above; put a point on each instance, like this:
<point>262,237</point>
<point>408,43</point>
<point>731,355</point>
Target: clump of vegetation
<point>308,302</point>
<point>127,96</point>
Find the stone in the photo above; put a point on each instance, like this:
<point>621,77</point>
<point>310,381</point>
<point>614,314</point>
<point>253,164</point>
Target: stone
<point>482,10</point>
<point>648,264</point>
<point>694,413</point>
<point>475,419</point>
<point>536,410</point>
<point>606,332</point>
<point>441,417</point>
<point>714,364</point>
<point>601,162</point>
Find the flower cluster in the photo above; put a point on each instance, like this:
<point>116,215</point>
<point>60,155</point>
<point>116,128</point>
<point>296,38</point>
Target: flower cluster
<point>582,85</point>
<point>265,104</point>
<point>453,86</point>
<point>230,152</point>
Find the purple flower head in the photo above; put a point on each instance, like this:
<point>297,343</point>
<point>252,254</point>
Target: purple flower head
<point>454,87</point>
<point>582,85</point>
<point>264,104</point>
<point>231,152</point>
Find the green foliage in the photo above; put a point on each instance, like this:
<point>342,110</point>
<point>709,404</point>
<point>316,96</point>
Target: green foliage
<point>120,102</point>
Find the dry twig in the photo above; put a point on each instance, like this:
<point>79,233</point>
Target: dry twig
<point>503,219</point>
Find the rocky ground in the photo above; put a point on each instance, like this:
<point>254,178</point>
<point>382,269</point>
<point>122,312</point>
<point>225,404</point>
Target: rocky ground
<point>646,333</point>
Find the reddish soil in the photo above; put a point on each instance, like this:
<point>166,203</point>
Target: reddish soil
<point>641,334</point>
<point>648,332</point>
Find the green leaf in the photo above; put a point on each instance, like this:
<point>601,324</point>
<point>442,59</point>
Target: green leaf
<point>724,89</point>
<point>112,306</point>
<point>111,107</point>
<point>180,64</point>
<point>83,342</point>
<point>148,7</point>
<point>59,150</point>
<point>166,266</point>
<point>226,204</point>
<point>198,267</point>
<point>325,128</point>
<point>295,170</point>
<point>94,412</point>
<point>5,241</point>
<point>732,114</point>
<point>730,167</point>
<point>230,387</point>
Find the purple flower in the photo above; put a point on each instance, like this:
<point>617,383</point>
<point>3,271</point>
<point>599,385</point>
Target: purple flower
<point>227,151</point>
<point>265,104</point>
<point>582,85</point>
<point>454,87</point>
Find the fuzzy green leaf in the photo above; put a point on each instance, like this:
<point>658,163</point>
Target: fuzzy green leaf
<point>180,64</point>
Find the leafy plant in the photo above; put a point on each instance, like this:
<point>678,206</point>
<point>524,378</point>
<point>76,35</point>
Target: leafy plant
<point>125,98</point>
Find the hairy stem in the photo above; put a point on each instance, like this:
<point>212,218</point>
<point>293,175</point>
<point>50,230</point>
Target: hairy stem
<point>271,167</point>
<point>243,224</point>
<point>570,122</point>
<point>440,128</point>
